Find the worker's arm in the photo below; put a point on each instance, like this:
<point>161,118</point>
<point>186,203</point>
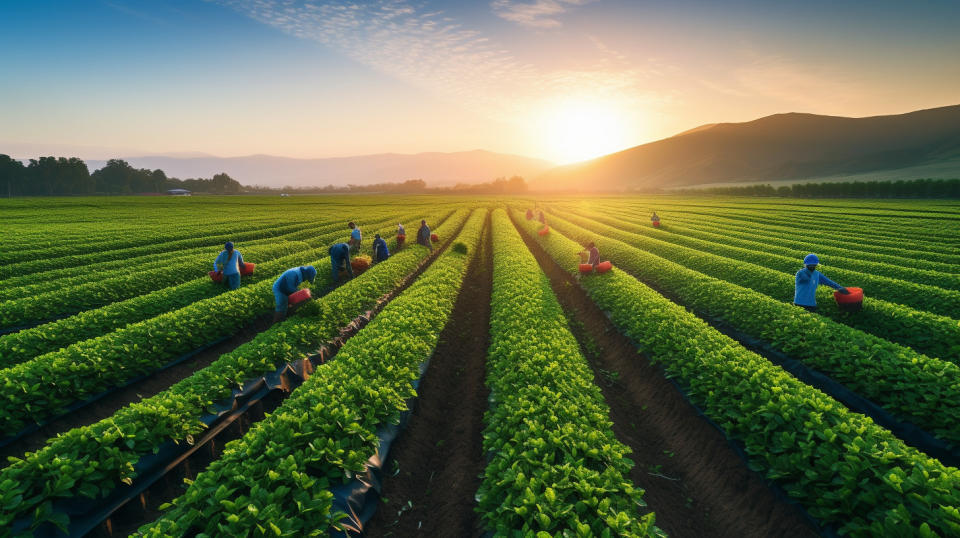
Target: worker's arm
<point>217,260</point>
<point>239,259</point>
<point>832,284</point>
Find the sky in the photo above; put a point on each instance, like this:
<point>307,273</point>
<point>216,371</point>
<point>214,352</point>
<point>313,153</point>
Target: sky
<point>560,80</point>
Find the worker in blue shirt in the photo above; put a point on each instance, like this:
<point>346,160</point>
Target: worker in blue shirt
<point>288,283</point>
<point>232,261</point>
<point>355,237</point>
<point>380,250</point>
<point>808,279</point>
<point>423,235</point>
<point>339,257</point>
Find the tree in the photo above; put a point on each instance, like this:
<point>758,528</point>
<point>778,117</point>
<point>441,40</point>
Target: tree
<point>13,175</point>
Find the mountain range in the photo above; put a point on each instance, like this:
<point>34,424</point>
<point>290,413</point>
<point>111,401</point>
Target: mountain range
<point>437,169</point>
<point>781,147</point>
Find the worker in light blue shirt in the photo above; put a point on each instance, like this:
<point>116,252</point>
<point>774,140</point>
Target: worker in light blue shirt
<point>355,237</point>
<point>288,283</point>
<point>339,257</point>
<point>808,279</point>
<point>231,260</point>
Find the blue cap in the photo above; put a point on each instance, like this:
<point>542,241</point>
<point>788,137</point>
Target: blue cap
<point>811,259</point>
<point>309,272</point>
<point>229,245</point>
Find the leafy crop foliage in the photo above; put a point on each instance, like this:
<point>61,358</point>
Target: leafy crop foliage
<point>840,466</point>
<point>275,479</point>
<point>555,464</point>
<point>93,460</point>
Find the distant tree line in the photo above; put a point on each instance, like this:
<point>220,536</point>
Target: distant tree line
<point>501,185</point>
<point>58,176</point>
<point>914,188</point>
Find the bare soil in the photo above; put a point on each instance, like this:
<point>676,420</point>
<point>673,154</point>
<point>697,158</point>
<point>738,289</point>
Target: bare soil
<point>694,481</point>
<point>438,459</point>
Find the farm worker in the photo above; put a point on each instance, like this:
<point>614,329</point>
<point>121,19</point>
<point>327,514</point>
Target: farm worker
<point>541,218</point>
<point>592,254</point>
<point>340,256</point>
<point>808,279</point>
<point>231,260</point>
<point>355,237</point>
<point>288,283</point>
<point>400,230</point>
<point>423,235</point>
<point>529,214</point>
<point>655,217</point>
<point>380,251</point>
<point>401,235</point>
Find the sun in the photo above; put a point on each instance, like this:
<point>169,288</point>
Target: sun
<point>574,130</point>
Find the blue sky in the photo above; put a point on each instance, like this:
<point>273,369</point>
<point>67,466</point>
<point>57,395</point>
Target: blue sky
<point>557,79</point>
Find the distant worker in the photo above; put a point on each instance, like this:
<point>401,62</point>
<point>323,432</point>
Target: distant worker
<point>355,237</point>
<point>288,283</point>
<point>380,250</point>
<point>655,218</point>
<point>423,235</point>
<point>541,218</point>
<point>808,279</point>
<point>591,255</point>
<point>529,214</point>
<point>401,236</point>
<point>340,257</point>
<point>232,261</point>
<point>400,230</point>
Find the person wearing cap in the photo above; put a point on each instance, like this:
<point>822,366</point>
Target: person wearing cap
<point>592,254</point>
<point>808,279</point>
<point>355,237</point>
<point>339,257</point>
<point>287,283</point>
<point>380,250</point>
<point>232,261</point>
<point>423,235</point>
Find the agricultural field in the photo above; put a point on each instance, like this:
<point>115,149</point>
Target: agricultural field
<point>486,385</point>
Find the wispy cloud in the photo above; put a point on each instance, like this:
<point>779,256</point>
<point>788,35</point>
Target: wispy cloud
<point>433,51</point>
<point>536,14</point>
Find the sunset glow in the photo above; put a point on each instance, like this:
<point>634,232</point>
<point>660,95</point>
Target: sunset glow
<point>576,130</point>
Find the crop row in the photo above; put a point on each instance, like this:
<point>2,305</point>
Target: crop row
<point>276,478</point>
<point>155,238</point>
<point>845,470</point>
<point>70,260</point>
<point>38,388</point>
<point>93,460</point>
<point>920,389</point>
<point>791,238</point>
<point>931,233</point>
<point>839,258</point>
<point>21,286</point>
<point>919,296</point>
<point>554,462</point>
<point>68,299</point>
<point>865,236</point>
<point>29,343</point>
<point>928,333</point>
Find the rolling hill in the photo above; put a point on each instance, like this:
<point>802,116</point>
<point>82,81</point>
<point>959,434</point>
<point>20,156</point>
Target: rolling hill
<point>791,146</point>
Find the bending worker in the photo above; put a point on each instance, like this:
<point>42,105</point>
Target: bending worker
<point>288,283</point>
<point>380,251</point>
<point>423,235</point>
<point>232,261</point>
<point>592,254</point>
<point>655,217</point>
<point>808,278</point>
<point>340,257</point>
<point>355,237</point>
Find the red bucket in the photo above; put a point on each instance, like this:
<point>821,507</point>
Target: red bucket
<point>586,268</point>
<point>299,296</point>
<point>656,224</point>
<point>852,302</point>
<point>215,276</point>
<point>604,266</point>
<point>544,231</point>
<point>434,237</point>
<point>247,269</point>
